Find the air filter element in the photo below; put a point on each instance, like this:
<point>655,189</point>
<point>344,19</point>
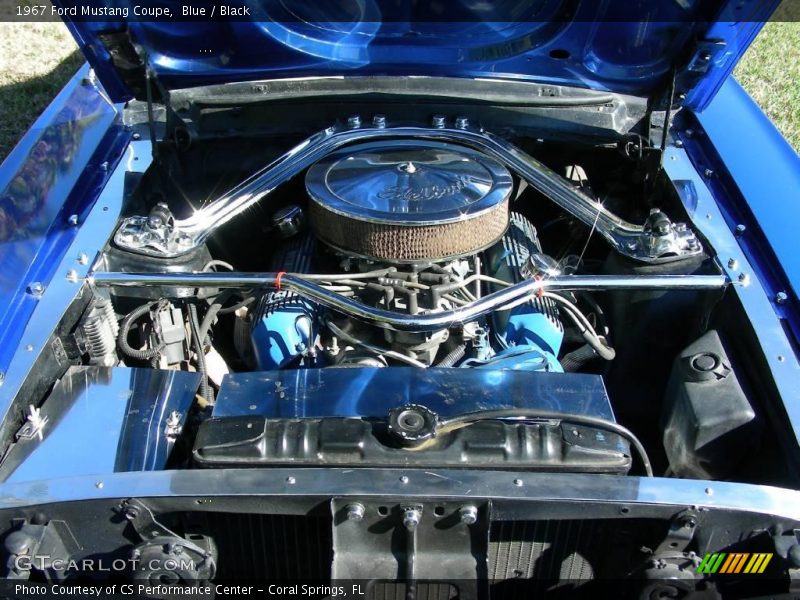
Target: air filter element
<point>408,201</point>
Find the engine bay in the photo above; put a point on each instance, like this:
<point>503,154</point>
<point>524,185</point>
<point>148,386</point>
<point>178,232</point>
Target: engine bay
<point>430,297</point>
<point>399,341</point>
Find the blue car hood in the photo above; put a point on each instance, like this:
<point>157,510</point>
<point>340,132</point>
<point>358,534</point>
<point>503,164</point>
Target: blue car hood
<point>626,46</point>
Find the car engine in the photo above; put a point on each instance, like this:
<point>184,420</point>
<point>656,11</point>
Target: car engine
<point>415,228</point>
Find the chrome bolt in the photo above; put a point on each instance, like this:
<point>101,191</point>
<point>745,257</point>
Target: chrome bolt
<point>732,263</point>
<point>438,121</point>
<point>354,122</point>
<point>404,479</point>
<point>518,482</point>
<point>379,121</point>
<point>72,276</point>
<point>679,143</point>
<point>73,220</point>
<point>104,166</point>
<point>355,512</point>
<point>709,491</point>
<point>83,258</point>
<point>99,485</point>
<point>35,289</point>
<point>462,122</point>
<point>2,377</point>
<point>744,278</point>
<point>137,136</point>
<point>411,517</point>
<point>29,348</point>
<point>740,229</point>
<point>468,514</point>
<point>184,240</point>
<point>174,419</point>
<point>291,480</point>
<point>708,173</point>
<point>781,297</point>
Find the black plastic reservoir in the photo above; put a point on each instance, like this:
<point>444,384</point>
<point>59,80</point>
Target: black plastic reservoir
<point>709,424</point>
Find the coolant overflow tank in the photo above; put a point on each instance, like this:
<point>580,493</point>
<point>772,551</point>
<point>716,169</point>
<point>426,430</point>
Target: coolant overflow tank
<point>709,424</point>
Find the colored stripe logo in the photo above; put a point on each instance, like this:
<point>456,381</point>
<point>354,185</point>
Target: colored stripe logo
<point>734,562</point>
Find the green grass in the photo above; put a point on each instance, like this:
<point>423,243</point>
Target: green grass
<point>770,72</point>
<point>37,59</point>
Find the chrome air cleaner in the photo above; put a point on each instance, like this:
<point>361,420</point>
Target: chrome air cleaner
<point>408,201</point>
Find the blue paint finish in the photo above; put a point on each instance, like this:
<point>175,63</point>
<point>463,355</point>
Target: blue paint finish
<point>283,335</point>
<point>55,171</point>
<point>126,411</point>
<point>368,392</point>
<point>528,326</point>
<point>725,42</point>
<point>616,45</point>
<point>765,171</point>
<point>524,357</point>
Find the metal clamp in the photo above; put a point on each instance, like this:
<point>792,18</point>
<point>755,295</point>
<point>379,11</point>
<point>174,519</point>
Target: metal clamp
<point>155,235</point>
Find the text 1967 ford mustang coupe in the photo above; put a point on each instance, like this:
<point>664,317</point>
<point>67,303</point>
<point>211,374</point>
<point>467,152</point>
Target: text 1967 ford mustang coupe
<point>442,304</point>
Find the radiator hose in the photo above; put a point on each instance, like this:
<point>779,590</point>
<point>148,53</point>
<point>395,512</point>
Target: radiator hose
<point>574,361</point>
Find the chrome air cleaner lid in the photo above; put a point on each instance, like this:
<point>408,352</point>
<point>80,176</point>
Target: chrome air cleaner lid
<point>409,200</point>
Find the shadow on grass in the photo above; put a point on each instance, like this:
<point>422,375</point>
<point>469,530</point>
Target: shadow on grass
<point>22,102</point>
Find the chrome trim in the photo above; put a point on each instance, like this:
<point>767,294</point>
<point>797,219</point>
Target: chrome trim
<point>707,218</point>
<point>370,182</point>
<point>404,322</point>
<point>129,414</point>
<point>92,236</point>
<point>536,490</point>
<point>631,240</point>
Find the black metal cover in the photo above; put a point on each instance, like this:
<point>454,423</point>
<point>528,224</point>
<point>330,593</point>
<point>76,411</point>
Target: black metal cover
<point>338,416</point>
<point>258,441</point>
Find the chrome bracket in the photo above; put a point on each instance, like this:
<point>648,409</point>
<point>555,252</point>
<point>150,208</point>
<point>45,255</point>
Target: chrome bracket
<point>154,235</point>
<point>34,425</point>
<point>661,238</point>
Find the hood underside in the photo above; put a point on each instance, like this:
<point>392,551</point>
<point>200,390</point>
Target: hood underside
<point>625,47</point>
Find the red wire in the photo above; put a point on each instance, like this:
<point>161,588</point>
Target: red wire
<point>540,291</point>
